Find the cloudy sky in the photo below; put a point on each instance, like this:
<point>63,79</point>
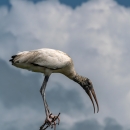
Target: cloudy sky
<point>95,33</point>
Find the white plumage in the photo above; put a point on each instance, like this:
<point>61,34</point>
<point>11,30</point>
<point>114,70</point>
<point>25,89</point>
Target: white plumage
<point>49,61</point>
<point>46,61</point>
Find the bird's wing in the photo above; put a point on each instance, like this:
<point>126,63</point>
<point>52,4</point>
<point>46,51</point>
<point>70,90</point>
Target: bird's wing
<point>48,58</point>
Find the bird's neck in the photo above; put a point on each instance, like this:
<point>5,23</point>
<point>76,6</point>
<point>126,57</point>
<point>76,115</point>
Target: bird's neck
<point>80,79</point>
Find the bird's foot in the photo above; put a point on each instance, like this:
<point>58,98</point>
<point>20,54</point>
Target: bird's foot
<point>50,121</point>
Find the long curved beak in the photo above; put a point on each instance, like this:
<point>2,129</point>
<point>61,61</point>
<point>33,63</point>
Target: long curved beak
<point>91,93</point>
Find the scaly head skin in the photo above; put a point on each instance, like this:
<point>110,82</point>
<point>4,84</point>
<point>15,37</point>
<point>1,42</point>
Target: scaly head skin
<point>87,85</point>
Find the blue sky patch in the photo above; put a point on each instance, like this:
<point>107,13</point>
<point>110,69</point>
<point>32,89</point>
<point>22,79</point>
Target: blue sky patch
<point>73,4</point>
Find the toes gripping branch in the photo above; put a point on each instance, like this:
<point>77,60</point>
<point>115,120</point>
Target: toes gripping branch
<point>51,123</point>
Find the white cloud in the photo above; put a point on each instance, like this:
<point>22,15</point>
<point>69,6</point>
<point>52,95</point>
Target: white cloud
<point>95,35</point>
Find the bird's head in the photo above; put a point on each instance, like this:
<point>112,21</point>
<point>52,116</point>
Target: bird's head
<point>88,87</point>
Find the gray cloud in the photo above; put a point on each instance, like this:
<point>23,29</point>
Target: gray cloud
<point>111,124</point>
<point>17,89</point>
<point>24,90</point>
<point>88,124</point>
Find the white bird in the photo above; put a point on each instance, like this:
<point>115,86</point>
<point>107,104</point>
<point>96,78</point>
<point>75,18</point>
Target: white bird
<point>49,61</point>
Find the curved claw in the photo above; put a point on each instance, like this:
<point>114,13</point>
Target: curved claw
<point>55,118</point>
<point>51,123</point>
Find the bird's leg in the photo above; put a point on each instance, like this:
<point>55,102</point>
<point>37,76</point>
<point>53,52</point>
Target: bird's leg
<point>42,91</point>
<point>50,118</point>
<point>47,108</point>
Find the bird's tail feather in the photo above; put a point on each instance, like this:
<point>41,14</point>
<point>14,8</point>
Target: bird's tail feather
<point>12,58</point>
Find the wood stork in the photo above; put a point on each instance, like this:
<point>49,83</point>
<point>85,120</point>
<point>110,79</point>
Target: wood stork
<point>49,61</point>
